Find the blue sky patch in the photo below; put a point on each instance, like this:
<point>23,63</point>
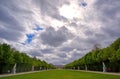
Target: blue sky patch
<point>29,37</point>
<point>38,28</point>
<point>84,4</point>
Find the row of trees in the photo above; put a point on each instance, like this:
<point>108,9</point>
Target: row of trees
<point>13,61</point>
<point>106,59</point>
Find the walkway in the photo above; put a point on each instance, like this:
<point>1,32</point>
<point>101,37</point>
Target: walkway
<point>6,75</point>
<point>111,73</point>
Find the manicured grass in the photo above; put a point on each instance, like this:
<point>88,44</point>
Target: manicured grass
<point>63,74</point>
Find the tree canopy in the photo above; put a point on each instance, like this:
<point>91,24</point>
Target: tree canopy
<point>9,56</point>
<point>94,59</point>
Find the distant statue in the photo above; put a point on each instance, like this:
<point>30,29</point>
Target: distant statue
<point>86,67</point>
<point>104,67</point>
<point>14,69</point>
<point>32,68</point>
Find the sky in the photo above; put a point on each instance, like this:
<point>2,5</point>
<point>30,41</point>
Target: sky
<point>59,31</point>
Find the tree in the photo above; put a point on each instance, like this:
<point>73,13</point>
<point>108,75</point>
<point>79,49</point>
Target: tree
<point>11,59</point>
<point>109,57</point>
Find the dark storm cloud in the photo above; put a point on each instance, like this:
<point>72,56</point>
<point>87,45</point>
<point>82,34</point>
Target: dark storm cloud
<point>55,38</point>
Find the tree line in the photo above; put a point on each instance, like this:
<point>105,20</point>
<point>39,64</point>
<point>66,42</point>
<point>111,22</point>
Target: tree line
<point>12,61</point>
<point>105,59</point>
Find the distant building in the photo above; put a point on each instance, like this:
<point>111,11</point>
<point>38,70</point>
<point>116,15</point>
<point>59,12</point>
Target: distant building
<point>59,66</point>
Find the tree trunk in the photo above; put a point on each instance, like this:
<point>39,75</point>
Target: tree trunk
<point>1,68</point>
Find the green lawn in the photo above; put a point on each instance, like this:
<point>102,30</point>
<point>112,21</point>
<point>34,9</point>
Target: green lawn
<point>63,74</point>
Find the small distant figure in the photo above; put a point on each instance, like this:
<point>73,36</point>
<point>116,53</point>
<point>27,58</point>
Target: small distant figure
<point>109,69</point>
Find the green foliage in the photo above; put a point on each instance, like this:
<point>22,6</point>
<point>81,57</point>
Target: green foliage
<point>7,54</point>
<point>10,56</point>
<point>118,54</point>
<point>109,55</point>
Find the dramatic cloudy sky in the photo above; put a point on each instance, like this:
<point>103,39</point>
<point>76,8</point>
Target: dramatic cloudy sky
<point>59,31</point>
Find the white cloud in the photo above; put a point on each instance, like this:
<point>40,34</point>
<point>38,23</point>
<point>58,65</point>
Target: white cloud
<point>69,29</point>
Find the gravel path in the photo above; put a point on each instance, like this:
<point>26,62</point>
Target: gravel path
<point>111,73</point>
<point>6,75</point>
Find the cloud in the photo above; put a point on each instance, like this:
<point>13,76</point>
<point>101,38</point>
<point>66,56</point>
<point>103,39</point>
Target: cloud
<point>35,54</point>
<point>9,34</point>
<point>47,51</point>
<point>38,28</point>
<point>59,31</point>
<point>55,38</point>
<point>62,55</point>
<point>109,16</point>
<point>50,8</point>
